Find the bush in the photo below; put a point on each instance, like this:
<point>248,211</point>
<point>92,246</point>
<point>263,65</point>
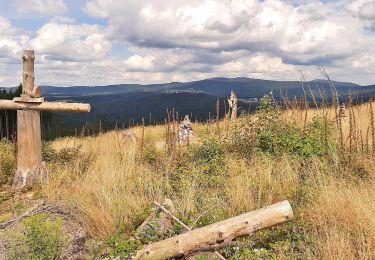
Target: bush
<point>266,133</point>
<point>7,162</point>
<point>210,157</point>
<point>62,157</point>
<point>44,237</point>
<point>71,157</point>
<point>286,138</point>
<point>149,154</point>
<point>124,249</point>
<point>289,241</point>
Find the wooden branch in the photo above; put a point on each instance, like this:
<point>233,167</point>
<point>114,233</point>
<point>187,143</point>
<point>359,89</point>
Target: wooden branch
<point>218,233</point>
<point>172,216</point>
<point>182,224</point>
<point>36,92</point>
<point>28,213</point>
<point>45,106</point>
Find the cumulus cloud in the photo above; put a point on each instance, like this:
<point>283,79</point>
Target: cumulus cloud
<point>71,42</point>
<point>169,40</point>
<point>48,7</point>
<point>139,63</point>
<point>11,42</point>
<point>304,34</point>
<point>367,11</point>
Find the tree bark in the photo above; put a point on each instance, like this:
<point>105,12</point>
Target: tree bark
<point>218,233</point>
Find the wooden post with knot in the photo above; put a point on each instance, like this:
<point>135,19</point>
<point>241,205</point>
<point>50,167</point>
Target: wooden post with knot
<point>28,106</point>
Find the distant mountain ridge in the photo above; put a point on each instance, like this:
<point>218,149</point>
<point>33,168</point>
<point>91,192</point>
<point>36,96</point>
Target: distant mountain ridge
<point>124,103</point>
<point>246,87</point>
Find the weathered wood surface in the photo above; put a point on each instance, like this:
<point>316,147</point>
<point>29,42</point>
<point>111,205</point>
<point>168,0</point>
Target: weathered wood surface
<point>233,105</point>
<point>218,233</point>
<point>208,255</point>
<point>28,73</point>
<point>29,154</point>
<point>29,151</point>
<point>45,106</point>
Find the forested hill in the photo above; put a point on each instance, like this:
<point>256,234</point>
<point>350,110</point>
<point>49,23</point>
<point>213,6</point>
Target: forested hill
<point>127,103</point>
<point>245,88</point>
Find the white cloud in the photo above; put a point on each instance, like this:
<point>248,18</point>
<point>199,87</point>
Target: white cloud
<point>136,62</point>
<point>367,11</point>
<point>47,7</point>
<point>98,9</point>
<point>71,42</point>
<point>184,40</point>
<point>11,42</point>
<point>298,34</point>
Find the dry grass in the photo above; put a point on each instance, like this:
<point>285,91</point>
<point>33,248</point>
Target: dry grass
<point>113,192</point>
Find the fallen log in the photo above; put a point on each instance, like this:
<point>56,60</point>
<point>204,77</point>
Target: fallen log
<point>215,234</point>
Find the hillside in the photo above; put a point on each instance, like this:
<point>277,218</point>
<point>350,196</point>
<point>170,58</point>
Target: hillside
<point>101,188</point>
<point>121,104</point>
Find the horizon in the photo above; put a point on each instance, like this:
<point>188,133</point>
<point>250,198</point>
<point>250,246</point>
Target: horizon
<point>106,42</point>
<point>183,82</point>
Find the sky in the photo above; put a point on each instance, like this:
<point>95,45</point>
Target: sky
<point>102,42</point>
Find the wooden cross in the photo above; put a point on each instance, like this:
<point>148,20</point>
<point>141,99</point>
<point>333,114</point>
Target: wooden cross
<point>28,106</point>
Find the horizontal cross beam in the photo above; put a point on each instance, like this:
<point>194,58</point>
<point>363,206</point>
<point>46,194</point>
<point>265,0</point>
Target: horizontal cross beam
<point>45,106</point>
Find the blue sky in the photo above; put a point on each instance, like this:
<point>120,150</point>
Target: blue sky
<point>100,42</point>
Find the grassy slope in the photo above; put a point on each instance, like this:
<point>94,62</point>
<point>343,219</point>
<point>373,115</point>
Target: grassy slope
<point>338,209</point>
<point>109,186</point>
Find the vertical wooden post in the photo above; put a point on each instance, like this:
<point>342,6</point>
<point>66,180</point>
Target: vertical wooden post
<point>29,155</point>
<point>234,101</point>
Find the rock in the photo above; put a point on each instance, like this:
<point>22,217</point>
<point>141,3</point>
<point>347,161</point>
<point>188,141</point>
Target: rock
<point>186,132</point>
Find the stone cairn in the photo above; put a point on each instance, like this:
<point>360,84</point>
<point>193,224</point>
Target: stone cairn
<point>186,132</point>
<point>342,110</point>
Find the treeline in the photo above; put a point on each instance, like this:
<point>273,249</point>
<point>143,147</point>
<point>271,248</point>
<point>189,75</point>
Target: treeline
<point>8,118</point>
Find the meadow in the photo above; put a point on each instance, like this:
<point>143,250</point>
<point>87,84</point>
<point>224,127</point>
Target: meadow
<point>318,159</point>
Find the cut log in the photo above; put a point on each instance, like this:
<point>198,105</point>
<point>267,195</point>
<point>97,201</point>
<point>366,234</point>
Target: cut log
<point>218,233</point>
<point>45,106</point>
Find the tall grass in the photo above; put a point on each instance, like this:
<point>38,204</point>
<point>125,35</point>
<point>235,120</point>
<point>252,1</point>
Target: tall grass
<point>334,199</point>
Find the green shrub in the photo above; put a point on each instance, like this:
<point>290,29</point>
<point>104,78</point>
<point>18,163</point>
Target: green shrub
<point>62,157</point>
<point>122,248</point>
<point>289,241</point>
<point>44,237</point>
<point>72,157</point>
<point>287,138</point>
<point>149,154</point>
<point>15,244</point>
<point>210,157</point>
<point>7,162</point>
<point>266,133</point>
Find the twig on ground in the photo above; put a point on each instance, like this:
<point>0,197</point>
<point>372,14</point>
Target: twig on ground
<point>183,225</point>
<point>28,213</point>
